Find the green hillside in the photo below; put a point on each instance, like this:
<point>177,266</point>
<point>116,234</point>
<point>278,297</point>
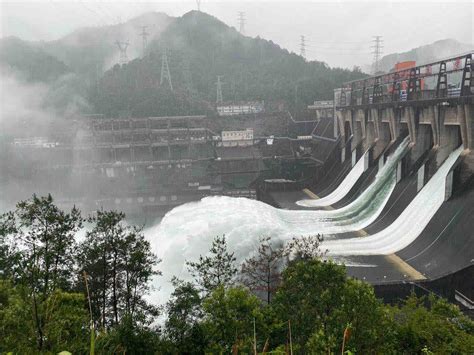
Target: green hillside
<point>30,60</point>
<point>199,48</point>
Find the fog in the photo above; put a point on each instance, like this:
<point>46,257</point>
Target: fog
<point>338,33</point>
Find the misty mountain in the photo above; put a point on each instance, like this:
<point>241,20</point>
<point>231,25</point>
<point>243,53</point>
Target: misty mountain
<point>427,53</point>
<point>92,49</point>
<point>199,47</point>
<point>30,60</point>
<point>86,51</point>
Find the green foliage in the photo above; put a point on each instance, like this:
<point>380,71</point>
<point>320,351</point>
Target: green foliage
<point>128,337</point>
<point>320,301</point>
<point>42,313</point>
<point>119,262</point>
<point>200,47</point>
<point>439,328</point>
<point>228,319</point>
<point>216,269</point>
<point>45,261</point>
<point>261,272</point>
<point>309,293</point>
<point>183,329</point>
<point>64,322</point>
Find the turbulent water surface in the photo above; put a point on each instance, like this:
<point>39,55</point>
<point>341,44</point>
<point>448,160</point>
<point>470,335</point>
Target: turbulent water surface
<point>186,232</point>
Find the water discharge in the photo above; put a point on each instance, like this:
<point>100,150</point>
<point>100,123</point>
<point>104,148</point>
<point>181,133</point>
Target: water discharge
<point>407,227</point>
<point>186,232</point>
<point>342,190</point>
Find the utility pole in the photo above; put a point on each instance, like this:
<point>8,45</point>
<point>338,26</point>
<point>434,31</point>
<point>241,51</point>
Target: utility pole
<point>377,49</point>
<point>144,34</point>
<point>303,47</point>
<point>165,70</point>
<point>241,20</point>
<point>219,89</point>
<point>122,46</point>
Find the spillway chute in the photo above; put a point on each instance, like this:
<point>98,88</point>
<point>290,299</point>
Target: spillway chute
<point>408,226</point>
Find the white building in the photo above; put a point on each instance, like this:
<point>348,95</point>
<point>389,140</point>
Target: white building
<point>240,109</point>
<point>237,138</point>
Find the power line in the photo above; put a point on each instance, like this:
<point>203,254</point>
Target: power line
<point>144,34</point>
<point>122,46</point>
<point>377,52</point>
<point>241,20</point>
<point>302,47</point>
<point>165,70</point>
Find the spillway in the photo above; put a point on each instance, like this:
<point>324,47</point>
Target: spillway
<point>406,228</point>
<point>341,191</point>
<point>186,232</point>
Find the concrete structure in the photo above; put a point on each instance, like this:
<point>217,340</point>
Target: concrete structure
<point>236,138</point>
<point>373,112</point>
<point>244,108</point>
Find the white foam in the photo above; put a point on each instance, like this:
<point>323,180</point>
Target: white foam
<point>341,191</point>
<point>407,227</point>
<point>186,232</point>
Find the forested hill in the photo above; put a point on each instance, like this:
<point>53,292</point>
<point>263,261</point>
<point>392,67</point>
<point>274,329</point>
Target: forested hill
<point>30,60</point>
<point>200,47</point>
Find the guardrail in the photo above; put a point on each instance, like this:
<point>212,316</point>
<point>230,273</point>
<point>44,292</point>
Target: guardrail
<point>424,82</point>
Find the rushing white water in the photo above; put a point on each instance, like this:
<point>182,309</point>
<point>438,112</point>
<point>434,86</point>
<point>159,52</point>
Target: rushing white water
<point>341,191</point>
<point>186,232</point>
<point>407,227</point>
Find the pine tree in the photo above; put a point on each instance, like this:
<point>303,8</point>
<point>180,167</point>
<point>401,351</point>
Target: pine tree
<point>120,264</point>
<point>262,271</point>
<point>216,269</point>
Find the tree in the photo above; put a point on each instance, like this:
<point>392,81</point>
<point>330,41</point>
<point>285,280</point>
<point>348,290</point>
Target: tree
<point>128,337</point>
<point>305,247</point>
<point>120,264</point>
<point>65,321</point>
<point>182,327</point>
<point>431,325</point>
<point>229,316</point>
<point>310,291</point>
<point>371,330</point>
<point>46,256</point>
<point>262,271</point>
<point>215,270</point>
<point>10,255</point>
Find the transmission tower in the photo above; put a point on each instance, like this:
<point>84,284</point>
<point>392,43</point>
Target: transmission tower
<point>219,89</point>
<point>303,47</point>
<point>198,2</point>
<point>165,70</point>
<point>377,49</point>
<point>122,46</point>
<point>241,19</point>
<point>144,34</point>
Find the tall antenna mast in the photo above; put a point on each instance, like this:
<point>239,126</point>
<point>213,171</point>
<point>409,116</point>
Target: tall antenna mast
<point>303,47</point>
<point>198,2</point>
<point>122,46</point>
<point>377,52</point>
<point>219,89</point>
<point>241,20</point>
<point>144,34</point>
<point>165,70</point>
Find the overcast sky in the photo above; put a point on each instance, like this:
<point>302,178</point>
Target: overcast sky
<point>337,32</point>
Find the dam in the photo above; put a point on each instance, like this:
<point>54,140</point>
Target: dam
<point>384,174</point>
